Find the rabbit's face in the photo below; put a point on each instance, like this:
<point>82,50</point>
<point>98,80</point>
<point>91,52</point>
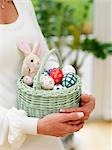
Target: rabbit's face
<point>32,61</point>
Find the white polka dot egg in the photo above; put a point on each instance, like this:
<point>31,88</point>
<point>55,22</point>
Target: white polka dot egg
<point>58,87</point>
<point>47,82</point>
<point>68,69</point>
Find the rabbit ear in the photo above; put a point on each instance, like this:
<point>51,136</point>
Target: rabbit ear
<point>36,49</point>
<point>24,47</point>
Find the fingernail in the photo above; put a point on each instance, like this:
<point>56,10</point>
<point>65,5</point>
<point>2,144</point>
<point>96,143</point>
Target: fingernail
<point>62,110</point>
<point>80,114</point>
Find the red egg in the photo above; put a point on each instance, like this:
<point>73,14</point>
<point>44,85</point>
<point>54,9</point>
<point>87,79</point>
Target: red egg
<point>57,75</point>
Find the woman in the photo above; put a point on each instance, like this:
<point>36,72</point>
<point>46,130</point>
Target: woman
<point>17,131</point>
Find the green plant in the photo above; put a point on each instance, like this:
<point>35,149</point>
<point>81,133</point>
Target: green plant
<point>63,18</point>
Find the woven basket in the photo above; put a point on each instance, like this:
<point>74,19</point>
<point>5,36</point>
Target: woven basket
<point>38,102</point>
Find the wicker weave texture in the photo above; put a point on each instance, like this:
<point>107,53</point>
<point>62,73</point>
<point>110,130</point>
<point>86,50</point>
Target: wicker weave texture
<point>38,102</point>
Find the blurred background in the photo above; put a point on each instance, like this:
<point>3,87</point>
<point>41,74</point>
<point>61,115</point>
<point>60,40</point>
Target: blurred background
<point>82,32</point>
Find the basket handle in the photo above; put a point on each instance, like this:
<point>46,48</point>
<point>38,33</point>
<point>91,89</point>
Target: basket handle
<point>37,84</point>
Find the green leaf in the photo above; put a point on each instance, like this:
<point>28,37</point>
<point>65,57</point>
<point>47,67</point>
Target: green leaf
<point>99,50</point>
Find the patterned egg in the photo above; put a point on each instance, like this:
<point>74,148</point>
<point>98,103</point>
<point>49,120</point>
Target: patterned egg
<point>57,75</point>
<point>69,80</point>
<point>47,82</point>
<point>58,87</point>
<point>28,80</point>
<point>68,69</point>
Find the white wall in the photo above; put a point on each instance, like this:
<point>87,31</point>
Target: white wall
<point>102,70</point>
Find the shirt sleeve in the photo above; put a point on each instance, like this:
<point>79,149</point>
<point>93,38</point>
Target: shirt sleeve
<point>14,126</point>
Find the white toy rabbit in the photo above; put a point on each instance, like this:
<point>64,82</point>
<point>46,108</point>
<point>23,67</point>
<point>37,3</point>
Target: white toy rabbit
<point>31,62</point>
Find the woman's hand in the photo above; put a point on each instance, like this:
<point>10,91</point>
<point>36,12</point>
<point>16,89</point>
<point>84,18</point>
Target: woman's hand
<point>56,124</point>
<point>87,106</point>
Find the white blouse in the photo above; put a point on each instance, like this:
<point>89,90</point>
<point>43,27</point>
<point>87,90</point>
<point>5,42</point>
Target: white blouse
<point>17,131</point>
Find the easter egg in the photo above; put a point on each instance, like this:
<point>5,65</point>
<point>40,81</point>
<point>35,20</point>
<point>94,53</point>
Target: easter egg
<point>28,80</point>
<point>47,82</point>
<point>68,69</point>
<point>58,87</point>
<point>57,75</point>
<point>69,80</point>
<point>51,64</point>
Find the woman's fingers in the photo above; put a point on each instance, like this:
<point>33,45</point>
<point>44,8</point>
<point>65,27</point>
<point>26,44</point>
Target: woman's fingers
<point>76,128</point>
<point>72,128</point>
<point>64,117</point>
<point>70,110</point>
<point>86,97</point>
<point>67,110</point>
<point>56,124</point>
<point>88,104</point>
<point>75,122</point>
